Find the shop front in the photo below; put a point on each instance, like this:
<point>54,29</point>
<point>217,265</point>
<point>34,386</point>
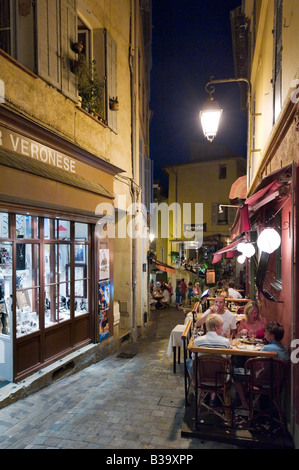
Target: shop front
<point>56,276</point>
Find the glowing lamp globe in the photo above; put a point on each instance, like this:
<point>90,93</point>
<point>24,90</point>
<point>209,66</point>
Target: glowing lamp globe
<point>269,240</point>
<point>241,247</point>
<point>210,117</point>
<point>248,250</point>
<point>241,259</point>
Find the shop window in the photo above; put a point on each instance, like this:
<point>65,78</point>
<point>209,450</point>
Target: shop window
<point>55,229</point>
<point>4,225</point>
<point>81,232</point>
<point>27,288</point>
<point>5,286</point>
<point>27,226</point>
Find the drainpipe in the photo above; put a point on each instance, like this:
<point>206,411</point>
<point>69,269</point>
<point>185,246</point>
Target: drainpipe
<point>133,152</point>
<point>292,417</point>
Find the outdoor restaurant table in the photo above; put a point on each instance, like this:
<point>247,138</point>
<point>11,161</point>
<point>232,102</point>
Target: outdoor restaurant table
<point>238,348</point>
<point>158,298</point>
<point>229,300</point>
<point>175,341</point>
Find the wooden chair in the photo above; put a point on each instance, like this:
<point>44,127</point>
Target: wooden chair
<point>265,376</point>
<point>213,376</point>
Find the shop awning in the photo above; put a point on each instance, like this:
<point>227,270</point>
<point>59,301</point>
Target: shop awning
<point>162,266</point>
<point>251,205</point>
<point>230,250</point>
<point>238,189</point>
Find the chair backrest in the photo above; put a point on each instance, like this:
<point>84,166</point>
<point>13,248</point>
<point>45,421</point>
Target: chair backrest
<point>212,371</point>
<point>267,373</point>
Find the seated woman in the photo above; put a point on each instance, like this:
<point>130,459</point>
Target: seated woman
<point>166,297</point>
<point>253,324</point>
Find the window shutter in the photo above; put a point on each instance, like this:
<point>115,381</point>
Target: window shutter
<point>111,57</point>
<point>48,41</point>
<point>99,57</point>
<point>215,209</point>
<point>68,27</point>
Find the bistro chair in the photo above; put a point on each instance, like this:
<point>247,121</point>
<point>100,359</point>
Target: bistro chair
<point>213,376</point>
<point>265,377</point>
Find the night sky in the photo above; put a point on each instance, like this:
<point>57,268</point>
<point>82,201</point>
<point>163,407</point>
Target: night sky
<point>191,42</point>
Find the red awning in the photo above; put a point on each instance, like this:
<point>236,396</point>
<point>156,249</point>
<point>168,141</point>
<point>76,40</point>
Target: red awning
<point>230,250</point>
<point>238,189</point>
<point>251,205</point>
<point>162,266</point>
<point>241,223</point>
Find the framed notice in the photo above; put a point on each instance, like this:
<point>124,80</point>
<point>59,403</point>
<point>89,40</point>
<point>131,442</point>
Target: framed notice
<point>104,267</point>
<point>210,276</point>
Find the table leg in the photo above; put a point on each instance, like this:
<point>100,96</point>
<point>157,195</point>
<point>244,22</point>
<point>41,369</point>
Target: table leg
<point>174,359</point>
<point>179,355</point>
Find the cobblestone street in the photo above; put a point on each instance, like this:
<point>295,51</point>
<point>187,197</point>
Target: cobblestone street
<point>128,401</point>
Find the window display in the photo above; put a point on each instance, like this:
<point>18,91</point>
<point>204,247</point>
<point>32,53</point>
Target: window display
<point>5,287</point>
<point>27,288</point>
<point>65,285</point>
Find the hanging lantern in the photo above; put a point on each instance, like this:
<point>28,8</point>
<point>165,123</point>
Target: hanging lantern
<point>248,250</point>
<point>241,247</point>
<point>241,259</point>
<point>269,240</point>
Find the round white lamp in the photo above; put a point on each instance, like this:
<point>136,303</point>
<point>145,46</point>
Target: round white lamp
<point>241,247</point>
<point>241,259</point>
<point>248,250</point>
<point>269,240</point>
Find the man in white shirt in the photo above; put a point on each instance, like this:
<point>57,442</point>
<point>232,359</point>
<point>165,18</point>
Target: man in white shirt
<point>232,292</point>
<point>212,339</point>
<point>229,319</point>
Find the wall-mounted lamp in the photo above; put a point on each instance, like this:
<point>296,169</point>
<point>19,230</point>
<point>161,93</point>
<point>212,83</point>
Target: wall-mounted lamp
<point>224,205</point>
<point>247,249</point>
<point>211,112</point>
<point>269,240</point>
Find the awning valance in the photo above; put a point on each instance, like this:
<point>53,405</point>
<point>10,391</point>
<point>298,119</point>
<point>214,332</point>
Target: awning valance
<point>162,266</point>
<point>230,250</point>
<point>251,205</point>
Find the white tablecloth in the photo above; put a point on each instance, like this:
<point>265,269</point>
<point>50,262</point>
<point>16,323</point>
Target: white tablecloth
<point>189,316</point>
<point>175,338</point>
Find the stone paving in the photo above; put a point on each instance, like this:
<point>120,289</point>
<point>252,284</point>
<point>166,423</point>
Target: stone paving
<point>129,402</point>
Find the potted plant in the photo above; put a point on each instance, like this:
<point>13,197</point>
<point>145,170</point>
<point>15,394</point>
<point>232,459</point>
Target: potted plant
<point>114,103</point>
<point>90,87</point>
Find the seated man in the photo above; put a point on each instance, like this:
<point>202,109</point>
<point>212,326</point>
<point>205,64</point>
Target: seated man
<point>213,339</point>
<point>166,297</point>
<point>229,319</point>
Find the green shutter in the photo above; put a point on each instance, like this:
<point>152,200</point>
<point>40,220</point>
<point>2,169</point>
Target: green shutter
<point>48,41</point>
<point>68,27</point>
<point>111,68</point>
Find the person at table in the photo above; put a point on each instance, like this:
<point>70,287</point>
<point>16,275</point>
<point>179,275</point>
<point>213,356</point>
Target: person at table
<point>229,319</point>
<point>166,297</point>
<point>212,339</point>
<point>274,333</point>
<point>157,291</point>
<point>232,292</point>
<point>253,324</point>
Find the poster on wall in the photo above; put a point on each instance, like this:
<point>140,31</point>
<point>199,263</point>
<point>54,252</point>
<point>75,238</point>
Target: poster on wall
<point>104,264</point>
<point>104,304</point>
